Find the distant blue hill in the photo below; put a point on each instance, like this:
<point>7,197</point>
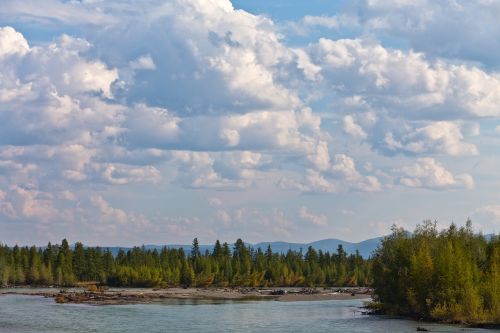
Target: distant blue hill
<point>365,248</point>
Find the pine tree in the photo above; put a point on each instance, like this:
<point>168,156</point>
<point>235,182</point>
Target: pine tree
<point>217,252</point>
<point>195,250</point>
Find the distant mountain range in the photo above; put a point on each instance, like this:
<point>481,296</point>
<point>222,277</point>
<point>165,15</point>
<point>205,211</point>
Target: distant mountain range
<point>365,248</point>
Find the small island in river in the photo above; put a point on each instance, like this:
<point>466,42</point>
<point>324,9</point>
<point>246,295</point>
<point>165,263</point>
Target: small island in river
<point>117,296</point>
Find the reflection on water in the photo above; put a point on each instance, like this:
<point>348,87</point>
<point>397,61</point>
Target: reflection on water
<point>36,314</point>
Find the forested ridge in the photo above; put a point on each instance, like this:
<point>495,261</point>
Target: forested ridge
<point>451,275</point>
<point>236,265</point>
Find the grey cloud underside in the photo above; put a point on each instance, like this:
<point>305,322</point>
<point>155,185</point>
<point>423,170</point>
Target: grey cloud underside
<point>452,29</point>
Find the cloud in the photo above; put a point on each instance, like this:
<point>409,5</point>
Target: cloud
<point>54,13</point>
<point>400,101</point>
<point>487,218</point>
<point>430,174</point>
<point>344,169</point>
<point>323,21</point>
<point>304,63</point>
<point>255,222</point>
<point>306,215</point>
<point>313,182</point>
<point>353,129</point>
<point>320,156</point>
<point>287,131</point>
<point>47,92</point>
<point>21,203</point>
<point>223,216</point>
<point>56,215</point>
<point>347,212</point>
<point>493,210</point>
<point>453,29</point>
<point>123,174</point>
<point>214,202</point>
<point>230,170</point>
<point>274,222</point>
<point>200,95</point>
<point>335,175</point>
<point>313,22</point>
<point>442,137</point>
<point>12,43</point>
<point>107,212</point>
<point>234,61</point>
<point>396,80</point>
<point>76,122</point>
<point>144,62</point>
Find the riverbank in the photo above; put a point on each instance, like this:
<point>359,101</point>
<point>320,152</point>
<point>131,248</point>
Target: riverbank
<point>116,296</point>
<point>377,309</point>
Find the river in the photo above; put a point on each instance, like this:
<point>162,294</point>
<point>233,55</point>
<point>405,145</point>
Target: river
<point>34,314</point>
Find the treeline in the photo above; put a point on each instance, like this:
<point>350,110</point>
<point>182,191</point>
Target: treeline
<point>238,265</point>
<point>450,276</point>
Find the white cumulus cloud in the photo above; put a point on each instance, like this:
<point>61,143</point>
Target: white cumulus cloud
<point>428,173</point>
<point>306,215</point>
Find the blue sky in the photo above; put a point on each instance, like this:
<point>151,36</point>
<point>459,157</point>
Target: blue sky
<point>127,122</point>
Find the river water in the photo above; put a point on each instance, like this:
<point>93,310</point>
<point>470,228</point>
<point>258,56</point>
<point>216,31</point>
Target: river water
<point>29,314</point>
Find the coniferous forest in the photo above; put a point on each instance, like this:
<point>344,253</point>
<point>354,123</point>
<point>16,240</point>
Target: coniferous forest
<point>450,276</point>
<point>237,265</point>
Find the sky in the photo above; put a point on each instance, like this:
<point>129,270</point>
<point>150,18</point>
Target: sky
<point>126,122</point>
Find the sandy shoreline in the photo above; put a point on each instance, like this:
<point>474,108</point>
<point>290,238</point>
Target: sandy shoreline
<point>116,296</point>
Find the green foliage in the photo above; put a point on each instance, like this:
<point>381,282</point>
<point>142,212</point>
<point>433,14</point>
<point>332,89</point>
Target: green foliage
<point>243,266</point>
<point>451,276</point>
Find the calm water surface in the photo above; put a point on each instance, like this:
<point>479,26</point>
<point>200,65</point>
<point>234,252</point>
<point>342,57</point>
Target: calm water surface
<point>37,314</point>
